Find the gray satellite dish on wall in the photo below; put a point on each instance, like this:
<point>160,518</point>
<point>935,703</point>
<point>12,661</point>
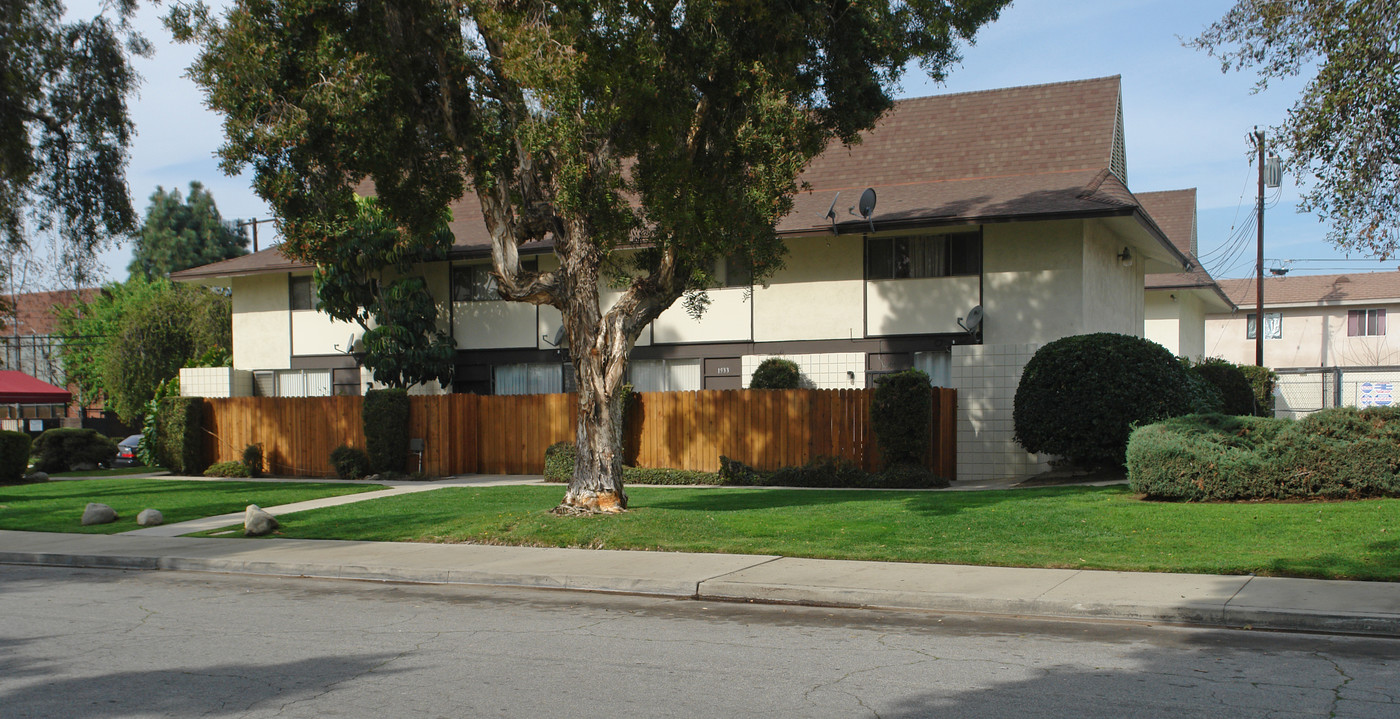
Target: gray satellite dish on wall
<point>831,211</point>
<point>558,337</point>
<point>973,320</point>
<point>867,206</point>
<point>350,344</point>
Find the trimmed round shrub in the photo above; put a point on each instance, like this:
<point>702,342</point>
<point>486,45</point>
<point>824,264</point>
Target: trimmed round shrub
<point>776,373</point>
<point>64,448</point>
<point>1236,393</point>
<point>1205,398</point>
<point>559,461</point>
<point>350,462</point>
<point>1080,397</point>
<point>900,413</point>
<point>14,456</point>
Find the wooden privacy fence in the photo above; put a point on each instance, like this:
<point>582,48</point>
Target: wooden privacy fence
<point>471,434</point>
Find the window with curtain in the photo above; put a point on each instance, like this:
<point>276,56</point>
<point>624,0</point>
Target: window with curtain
<point>677,375</point>
<point>1273,326</point>
<point>921,256</point>
<point>475,283</point>
<point>1363,323</point>
<point>537,378</point>
<point>937,365</point>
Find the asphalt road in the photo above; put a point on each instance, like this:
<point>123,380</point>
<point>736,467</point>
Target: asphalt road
<point>98,643</point>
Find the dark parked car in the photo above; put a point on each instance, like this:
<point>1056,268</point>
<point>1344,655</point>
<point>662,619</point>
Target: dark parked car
<point>126,452</point>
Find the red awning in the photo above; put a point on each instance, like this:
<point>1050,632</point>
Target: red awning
<point>19,388</point>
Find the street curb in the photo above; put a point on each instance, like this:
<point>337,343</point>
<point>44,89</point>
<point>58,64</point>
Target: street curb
<point>723,588</point>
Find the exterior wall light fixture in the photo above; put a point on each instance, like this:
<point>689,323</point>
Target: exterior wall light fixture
<point>1126,257</point>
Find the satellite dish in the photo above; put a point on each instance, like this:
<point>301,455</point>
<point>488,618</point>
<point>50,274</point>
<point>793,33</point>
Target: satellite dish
<point>973,321</point>
<point>350,344</point>
<point>831,211</point>
<point>867,206</point>
<point>558,337</point>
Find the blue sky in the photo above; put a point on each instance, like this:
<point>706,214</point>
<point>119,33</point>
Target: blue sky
<point>1187,123</point>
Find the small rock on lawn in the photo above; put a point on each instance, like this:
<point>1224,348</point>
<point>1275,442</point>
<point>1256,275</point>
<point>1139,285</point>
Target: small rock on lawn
<point>150,518</point>
<point>257,522</point>
<point>98,514</point>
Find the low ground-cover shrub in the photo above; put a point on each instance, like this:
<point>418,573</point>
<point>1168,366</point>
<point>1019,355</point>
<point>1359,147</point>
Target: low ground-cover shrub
<point>1332,454</point>
<point>227,469</point>
<point>66,448</point>
<point>350,462</point>
<point>559,461</point>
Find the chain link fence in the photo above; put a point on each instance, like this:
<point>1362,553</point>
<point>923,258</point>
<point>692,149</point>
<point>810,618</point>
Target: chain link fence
<point>1301,392</point>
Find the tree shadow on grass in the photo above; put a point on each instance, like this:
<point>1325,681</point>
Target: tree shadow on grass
<point>1377,563</point>
<point>924,502</point>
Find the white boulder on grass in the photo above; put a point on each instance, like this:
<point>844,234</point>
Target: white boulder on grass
<point>150,518</point>
<point>96,513</point>
<point>257,522</point>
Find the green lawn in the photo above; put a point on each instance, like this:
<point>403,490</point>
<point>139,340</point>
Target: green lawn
<point>58,506</point>
<point>1079,527</point>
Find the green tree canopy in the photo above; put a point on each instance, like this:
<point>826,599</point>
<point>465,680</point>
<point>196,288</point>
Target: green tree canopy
<point>180,233</point>
<point>64,130</point>
<point>674,129</point>
<point>134,335</point>
<point>365,278</point>
<point>1344,130</point>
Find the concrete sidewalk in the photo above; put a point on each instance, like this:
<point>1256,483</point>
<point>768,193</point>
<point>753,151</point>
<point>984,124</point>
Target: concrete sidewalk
<point>1227,601</point>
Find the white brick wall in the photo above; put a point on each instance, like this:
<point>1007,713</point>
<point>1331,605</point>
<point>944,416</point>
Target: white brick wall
<point>986,377</point>
<point>839,370</point>
<point>215,382</point>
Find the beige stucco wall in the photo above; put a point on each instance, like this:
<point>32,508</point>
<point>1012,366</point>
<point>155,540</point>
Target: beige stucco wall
<point>817,295</point>
<point>316,333</point>
<point>262,332</point>
<point>922,306</point>
<point>1175,319</point>
<point>1312,337</point>
<point>1032,281</point>
<point>1113,294</point>
<point>728,318</point>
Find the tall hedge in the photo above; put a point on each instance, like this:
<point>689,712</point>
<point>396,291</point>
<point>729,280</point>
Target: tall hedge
<point>386,429</point>
<point>900,413</point>
<point>179,435</point>
<point>63,448</point>
<point>1262,379</point>
<point>14,456</point>
<point>1080,396</point>
<point>1236,392</point>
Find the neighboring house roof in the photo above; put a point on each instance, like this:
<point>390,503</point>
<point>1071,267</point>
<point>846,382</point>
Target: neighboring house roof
<point>1317,290</point>
<point>31,313</point>
<point>1175,212</point>
<point>20,388</point>
<point>1036,152</point>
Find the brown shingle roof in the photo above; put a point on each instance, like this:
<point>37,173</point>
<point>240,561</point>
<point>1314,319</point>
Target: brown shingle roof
<point>1317,289</point>
<point>1175,213</point>
<point>1014,153</point>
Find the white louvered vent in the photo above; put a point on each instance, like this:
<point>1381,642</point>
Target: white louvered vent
<point>1118,164</point>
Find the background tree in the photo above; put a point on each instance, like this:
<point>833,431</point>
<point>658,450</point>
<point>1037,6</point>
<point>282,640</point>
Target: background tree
<point>136,335</point>
<point>675,129</point>
<point>1344,130</point>
<point>180,233</point>
<point>64,130</point>
<point>364,278</point>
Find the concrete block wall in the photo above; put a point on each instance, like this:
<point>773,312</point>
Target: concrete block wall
<point>837,370</point>
<point>215,382</point>
<point>986,377</point>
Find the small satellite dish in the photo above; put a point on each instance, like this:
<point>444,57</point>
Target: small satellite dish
<point>350,344</point>
<point>558,337</point>
<point>831,211</point>
<point>973,321</point>
<point>867,206</point>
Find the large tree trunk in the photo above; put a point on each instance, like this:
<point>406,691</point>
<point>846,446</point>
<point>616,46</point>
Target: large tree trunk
<point>597,482</point>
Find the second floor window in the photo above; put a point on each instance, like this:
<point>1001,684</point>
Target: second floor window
<point>303,293</point>
<point>917,256</point>
<point>1362,323</point>
<point>1273,326</point>
<point>475,283</point>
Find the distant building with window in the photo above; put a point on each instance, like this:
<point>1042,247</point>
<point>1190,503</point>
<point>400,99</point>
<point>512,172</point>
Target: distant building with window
<point>30,343</point>
<point>1326,334</point>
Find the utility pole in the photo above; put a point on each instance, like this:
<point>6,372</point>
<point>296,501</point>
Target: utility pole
<point>1258,267</point>
<point>255,222</point>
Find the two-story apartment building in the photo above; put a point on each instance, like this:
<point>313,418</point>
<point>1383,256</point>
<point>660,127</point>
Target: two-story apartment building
<point>1177,302</point>
<point>1013,201</point>
<point>1326,335</point>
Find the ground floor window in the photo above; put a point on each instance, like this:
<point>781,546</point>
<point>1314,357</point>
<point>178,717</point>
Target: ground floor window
<point>670,375</point>
<point>937,365</point>
<point>303,383</point>
<point>528,378</point>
